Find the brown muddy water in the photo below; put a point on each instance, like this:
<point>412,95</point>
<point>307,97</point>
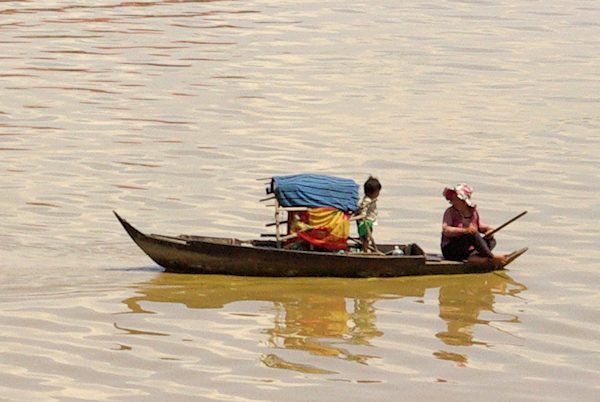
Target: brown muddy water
<point>170,111</point>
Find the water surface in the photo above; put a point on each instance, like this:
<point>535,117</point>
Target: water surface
<point>173,112</point>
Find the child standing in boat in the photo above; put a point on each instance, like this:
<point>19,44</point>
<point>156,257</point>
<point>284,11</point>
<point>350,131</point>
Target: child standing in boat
<point>368,208</point>
<point>461,228</point>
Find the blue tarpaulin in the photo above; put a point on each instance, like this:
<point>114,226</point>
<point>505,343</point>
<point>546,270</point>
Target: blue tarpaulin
<point>315,190</point>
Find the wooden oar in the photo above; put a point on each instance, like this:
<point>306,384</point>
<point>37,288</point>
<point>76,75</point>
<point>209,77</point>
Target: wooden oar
<point>505,224</point>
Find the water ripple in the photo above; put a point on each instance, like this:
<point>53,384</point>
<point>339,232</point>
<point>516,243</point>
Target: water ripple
<point>170,110</point>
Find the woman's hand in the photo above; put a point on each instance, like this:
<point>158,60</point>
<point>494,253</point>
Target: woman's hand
<point>471,230</point>
<point>489,230</point>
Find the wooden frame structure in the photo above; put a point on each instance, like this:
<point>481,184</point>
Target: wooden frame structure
<point>280,238</point>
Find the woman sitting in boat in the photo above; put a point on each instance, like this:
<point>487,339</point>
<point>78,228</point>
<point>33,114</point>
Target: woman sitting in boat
<point>461,228</point>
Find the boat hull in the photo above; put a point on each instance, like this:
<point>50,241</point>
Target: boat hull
<point>209,255</point>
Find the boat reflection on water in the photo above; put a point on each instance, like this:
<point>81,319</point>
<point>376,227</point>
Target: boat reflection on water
<point>330,316</point>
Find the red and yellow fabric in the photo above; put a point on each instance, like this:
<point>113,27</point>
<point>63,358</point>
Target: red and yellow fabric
<point>327,228</point>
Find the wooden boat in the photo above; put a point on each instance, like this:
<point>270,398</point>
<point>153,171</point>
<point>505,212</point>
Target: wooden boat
<point>229,256</point>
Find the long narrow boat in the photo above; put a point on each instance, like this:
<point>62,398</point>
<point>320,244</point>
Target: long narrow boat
<point>230,256</point>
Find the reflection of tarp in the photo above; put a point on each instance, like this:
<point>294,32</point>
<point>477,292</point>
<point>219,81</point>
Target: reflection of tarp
<point>313,190</point>
<point>327,228</point>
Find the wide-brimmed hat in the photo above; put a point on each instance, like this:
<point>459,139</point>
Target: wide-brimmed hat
<point>463,192</point>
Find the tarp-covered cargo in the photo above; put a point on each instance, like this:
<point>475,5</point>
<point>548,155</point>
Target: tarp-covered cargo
<point>315,190</point>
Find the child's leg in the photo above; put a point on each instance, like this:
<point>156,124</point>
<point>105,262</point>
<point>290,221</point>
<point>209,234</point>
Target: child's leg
<point>365,243</point>
<point>364,232</point>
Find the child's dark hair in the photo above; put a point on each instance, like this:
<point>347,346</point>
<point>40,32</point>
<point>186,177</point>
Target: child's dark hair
<point>372,186</point>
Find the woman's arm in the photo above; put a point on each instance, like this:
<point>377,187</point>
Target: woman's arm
<point>452,231</point>
<point>449,226</point>
<point>452,224</point>
<point>483,228</point>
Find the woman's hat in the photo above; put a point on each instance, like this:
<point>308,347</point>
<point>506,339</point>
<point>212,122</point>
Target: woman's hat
<point>463,192</point>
